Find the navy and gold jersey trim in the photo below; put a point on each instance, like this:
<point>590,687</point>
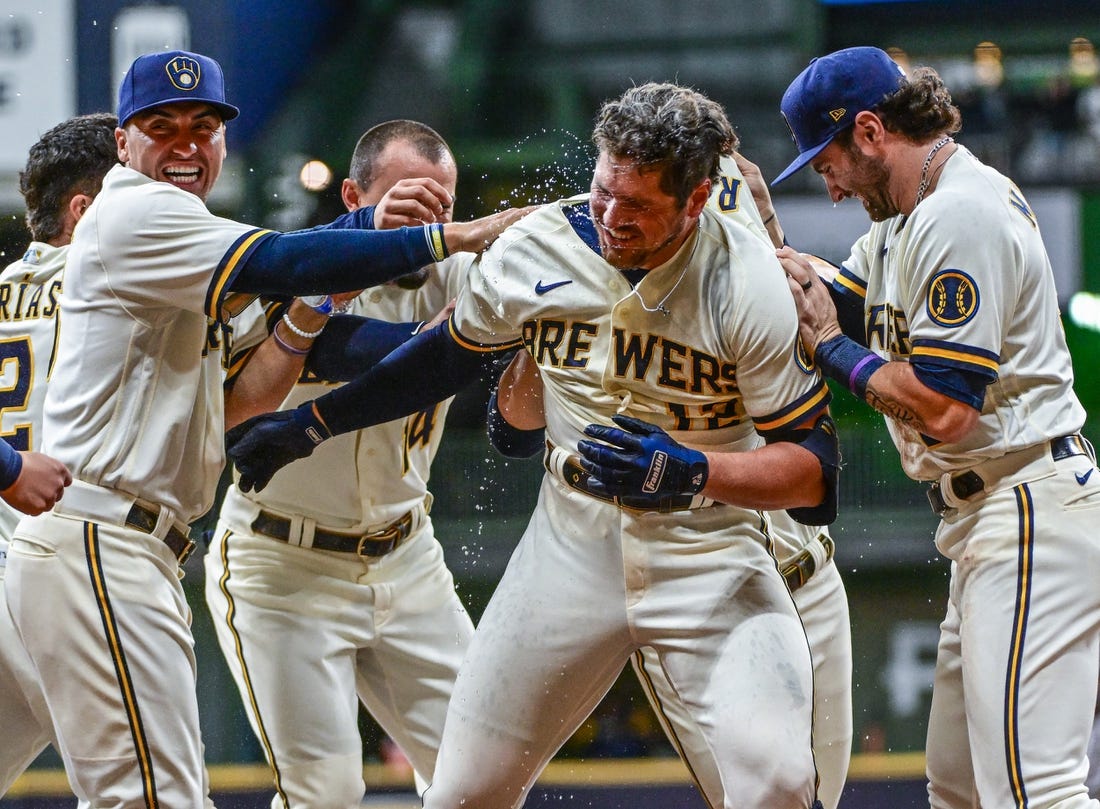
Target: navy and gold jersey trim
<point>481,348</point>
<point>848,284</point>
<point>579,216</point>
<point>956,355</point>
<point>807,407</point>
<point>231,263</point>
<point>113,640</point>
<point>1014,674</point>
<point>246,675</point>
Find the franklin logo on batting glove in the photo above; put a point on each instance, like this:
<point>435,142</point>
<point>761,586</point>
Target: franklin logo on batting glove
<point>641,459</point>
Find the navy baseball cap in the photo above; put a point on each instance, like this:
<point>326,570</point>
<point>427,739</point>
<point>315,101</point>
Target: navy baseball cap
<point>825,98</point>
<point>166,77</point>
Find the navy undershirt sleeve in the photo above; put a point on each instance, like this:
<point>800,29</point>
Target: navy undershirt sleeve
<point>328,260</point>
<point>849,314</point>
<point>509,441</point>
<point>427,369</point>
<point>351,344</point>
<point>967,387</point>
<point>11,464</point>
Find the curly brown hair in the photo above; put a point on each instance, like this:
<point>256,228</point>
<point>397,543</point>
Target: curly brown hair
<point>675,127</point>
<point>921,108</point>
<point>67,160</point>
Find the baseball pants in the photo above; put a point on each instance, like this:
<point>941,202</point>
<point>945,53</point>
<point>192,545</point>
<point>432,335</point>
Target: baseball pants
<point>587,586</point>
<point>308,634</point>
<point>823,606</point>
<point>26,724</point>
<point>103,616</point>
<point>1019,651</point>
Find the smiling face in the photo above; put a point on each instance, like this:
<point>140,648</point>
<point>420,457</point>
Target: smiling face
<point>182,143</point>
<point>848,172</point>
<point>638,224</point>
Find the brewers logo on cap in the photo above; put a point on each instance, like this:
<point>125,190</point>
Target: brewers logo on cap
<point>183,72</point>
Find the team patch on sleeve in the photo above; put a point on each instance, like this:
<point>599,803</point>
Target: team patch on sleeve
<point>952,298</point>
<point>221,304</point>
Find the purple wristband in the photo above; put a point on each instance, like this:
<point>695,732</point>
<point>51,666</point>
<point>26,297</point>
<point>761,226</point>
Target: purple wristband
<point>847,361</point>
<point>857,381</point>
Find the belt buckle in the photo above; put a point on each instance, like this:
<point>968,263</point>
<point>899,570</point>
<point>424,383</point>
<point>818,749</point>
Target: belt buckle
<point>803,565</point>
<point>391,534</point>
<point>935,499</point>
<point>188,549</point>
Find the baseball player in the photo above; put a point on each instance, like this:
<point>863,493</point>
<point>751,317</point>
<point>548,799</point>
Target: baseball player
<point>330,582</point>
<point>134,408</point>
<point>945,319</point>
<point>804,554</point>
<point>636,302</point>
<point>64,170</point>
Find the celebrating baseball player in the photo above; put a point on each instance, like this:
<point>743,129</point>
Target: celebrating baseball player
<point>349,529</point>
<point>134,408</point>
<point>945,319</point>
<point>64,171</point>
<point>804,553</point>
<point>667,346</point>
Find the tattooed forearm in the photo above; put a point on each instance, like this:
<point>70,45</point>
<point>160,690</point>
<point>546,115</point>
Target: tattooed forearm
<point>894,410</point>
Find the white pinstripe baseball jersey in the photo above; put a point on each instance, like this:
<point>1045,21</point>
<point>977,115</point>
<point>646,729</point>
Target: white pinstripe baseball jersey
<point>29,318</point>
<point>604,348</point>
<point>131,405</point>
<point>936,288</point>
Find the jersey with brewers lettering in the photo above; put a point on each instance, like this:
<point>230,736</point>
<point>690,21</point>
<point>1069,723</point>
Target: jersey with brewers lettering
<point>29,294</point>
<point>391,461</point>
<point>724,363</point>
<point>135,402</point>
<point>964,282</point>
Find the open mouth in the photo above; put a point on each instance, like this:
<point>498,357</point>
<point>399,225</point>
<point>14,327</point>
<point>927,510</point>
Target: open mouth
<point>182,176</point>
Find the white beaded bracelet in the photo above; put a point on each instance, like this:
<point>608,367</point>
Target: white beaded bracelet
<point>305,335</point>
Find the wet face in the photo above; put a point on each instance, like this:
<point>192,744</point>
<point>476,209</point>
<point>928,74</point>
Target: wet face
<point>638,224</point>
<point>848,172</point>
<point>398,161</point>
<point>182,143</point>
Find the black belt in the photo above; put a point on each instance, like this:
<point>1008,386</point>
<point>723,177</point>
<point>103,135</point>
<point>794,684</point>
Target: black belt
<point>145,519</point>
<point>799,568</point>
<point>965,485</point>
<point>375,543</point>
<point>575,477</point>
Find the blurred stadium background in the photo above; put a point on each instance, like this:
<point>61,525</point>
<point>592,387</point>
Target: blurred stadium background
<point>513,85</point>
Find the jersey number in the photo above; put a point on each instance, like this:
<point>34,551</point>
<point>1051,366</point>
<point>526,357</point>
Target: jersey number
<point>418,431</point>
<point>16,370</point>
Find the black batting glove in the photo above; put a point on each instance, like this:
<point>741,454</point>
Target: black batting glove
<point>640,460</point>
<point>264,444</point>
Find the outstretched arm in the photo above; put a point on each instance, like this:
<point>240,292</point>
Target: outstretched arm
<point>425,370</point>
<point>325,260</point>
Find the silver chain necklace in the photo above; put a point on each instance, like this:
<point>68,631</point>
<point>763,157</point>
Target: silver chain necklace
<point>925,180</point>
<point>660,307</point>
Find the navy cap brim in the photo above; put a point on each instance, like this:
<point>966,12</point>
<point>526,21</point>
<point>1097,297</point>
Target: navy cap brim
<point>800,161</point>
<point>227,111</point>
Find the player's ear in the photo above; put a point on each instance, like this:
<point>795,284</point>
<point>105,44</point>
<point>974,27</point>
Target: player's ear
<point>78,205</point>
<point>868,129</point>
<point>123,147</point>
<point>698,198</point>
<point>349,193</point>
